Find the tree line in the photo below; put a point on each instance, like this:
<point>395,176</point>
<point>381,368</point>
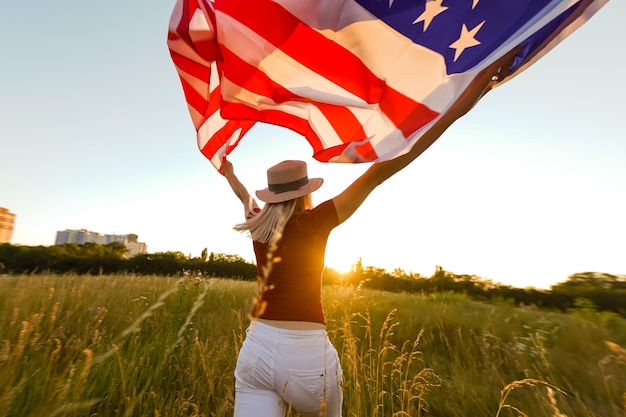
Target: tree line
<point>596,291</point>
<point>96,259</point>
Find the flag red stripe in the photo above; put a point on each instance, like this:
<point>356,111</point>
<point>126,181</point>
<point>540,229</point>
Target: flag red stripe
<point>215,101</point>
<point>277,117</point>
<point>367,152</point>
<point>194,99</point>
<point>347,127</point>
<point>220,138</point>
<point>343,121</point>
<point>326,155</point>
<point>182,28</point>
<point>337,64</point>
<point>223,135</point>
<point>321,55</point>
<point>198,70</point>
<point>252,79</point>
<point>406,114</point>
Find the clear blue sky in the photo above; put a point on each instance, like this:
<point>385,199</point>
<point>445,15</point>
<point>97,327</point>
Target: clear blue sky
<point>527,189</point>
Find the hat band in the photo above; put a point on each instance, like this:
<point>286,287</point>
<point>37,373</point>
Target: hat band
<point>288,186</point>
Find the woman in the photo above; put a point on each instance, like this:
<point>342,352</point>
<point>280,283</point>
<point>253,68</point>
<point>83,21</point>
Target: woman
<point>287,359</point>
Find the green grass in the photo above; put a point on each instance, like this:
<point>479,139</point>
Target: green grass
<point>153,346</point>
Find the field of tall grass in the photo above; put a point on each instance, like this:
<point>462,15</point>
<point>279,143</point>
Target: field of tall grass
<point>152,346</point>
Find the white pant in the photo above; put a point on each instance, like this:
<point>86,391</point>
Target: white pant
<point>277,368</point>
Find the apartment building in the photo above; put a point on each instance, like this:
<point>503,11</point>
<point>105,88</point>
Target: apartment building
<point>82,236</point>
<point>7,222</point>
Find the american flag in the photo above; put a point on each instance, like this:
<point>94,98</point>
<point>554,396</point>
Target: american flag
<point>361,80</point>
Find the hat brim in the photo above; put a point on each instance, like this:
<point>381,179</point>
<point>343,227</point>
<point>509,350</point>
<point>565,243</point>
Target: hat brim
<point>271,197</point>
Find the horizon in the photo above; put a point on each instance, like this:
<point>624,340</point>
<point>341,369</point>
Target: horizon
<point>396,272</point>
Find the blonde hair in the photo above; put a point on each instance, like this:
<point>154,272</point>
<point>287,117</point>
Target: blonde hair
<point>268,225</point>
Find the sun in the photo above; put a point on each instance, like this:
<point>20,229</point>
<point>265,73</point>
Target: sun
<point>339,263</point>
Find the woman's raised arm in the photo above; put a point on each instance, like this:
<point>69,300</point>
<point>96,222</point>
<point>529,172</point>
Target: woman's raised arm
<point>249,203</point>
<point>352,197</point>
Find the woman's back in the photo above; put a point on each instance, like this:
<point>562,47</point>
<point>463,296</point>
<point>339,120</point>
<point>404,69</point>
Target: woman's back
<point>292,277</point>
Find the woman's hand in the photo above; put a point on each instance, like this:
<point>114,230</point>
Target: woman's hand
<point>484,81</point>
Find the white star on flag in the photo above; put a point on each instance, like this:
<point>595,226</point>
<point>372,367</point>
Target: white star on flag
<point>466,40</point>
<point>433,8</point>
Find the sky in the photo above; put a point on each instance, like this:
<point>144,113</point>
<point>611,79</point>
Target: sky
<point>525,190</point>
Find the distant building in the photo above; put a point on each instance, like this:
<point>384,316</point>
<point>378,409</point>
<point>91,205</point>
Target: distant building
<point>82,236</point>
<point>134,247</point>
<point>7,221</point>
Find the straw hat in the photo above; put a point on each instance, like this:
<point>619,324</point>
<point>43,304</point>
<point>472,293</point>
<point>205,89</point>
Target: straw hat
<point>288,180</point>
